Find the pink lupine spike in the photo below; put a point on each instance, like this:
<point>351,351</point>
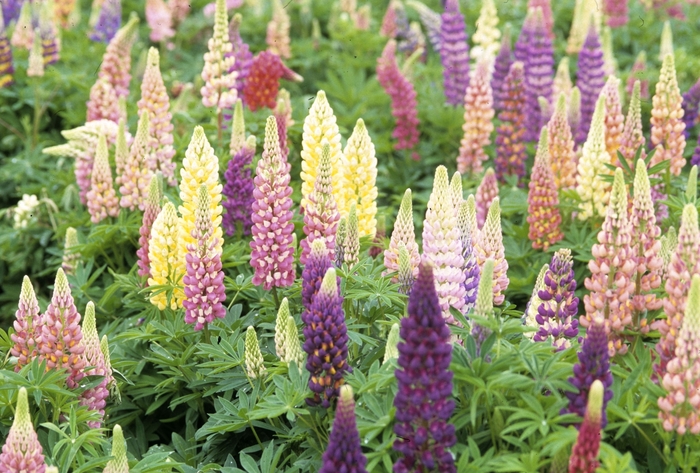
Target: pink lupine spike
<point>667,124</point>
<point>633,135</point>
<point>543,200</point>
<point>94,398</point>
<point>160,20</point>
<point>102,199</point>
<point>278,41</point>
<point>103,103</point>
<point>26,326</point>
<point>485,194</point>
<point>116,62</point>
<point>137,173</point>
<point>478,121</point>
<point>403,234</point>
<point>180,10</point>
<point>22,451</point>
<point>151,210</point>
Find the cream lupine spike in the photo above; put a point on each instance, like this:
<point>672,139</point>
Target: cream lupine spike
<point>281,328</point>
<point>137,175</point>
<point>360,179</point>
<point>613,117</point>
<point>351,245</point>
<point>111,382</point>
<point>277,39</point>
<point>632,134</point>
<point>254,363</point>
<point>321,123</point>
<point>591,187</point>
<point>119,463</point>
<point>487,36</point>
<point>562,80</point>
<point>238,139</point>
<point>219,83</point>
<point>666,46</point>
<point>70,256</point>
<point>667,124</point>
<point>471,217</point>
<point>121,153</point>
<point>292,347</point>
<point>489,245</point>
<point>530,315</point>
<point>167,260</point>
<point>456,191</point>
<point>102,199</point>
<point>404,232</point>
<point>585,11</point>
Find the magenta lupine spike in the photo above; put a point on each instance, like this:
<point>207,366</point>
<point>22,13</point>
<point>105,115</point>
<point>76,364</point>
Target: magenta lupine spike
<point>102,199</point>
<point>403,233</point>
<point>638,73</point>
<point>272,257</point>
<point>454,53</point>
<point>137,173</point>
<point>26,326</point>
<point>6,66</point>
<point>584,456</point>
<point>561,147</point>
<point>590,79</point>
<point>424,398</point>
<point>103,102</point>
<point>403,98</point>
<point>155,101</point>
<point>150,213</point>
<point>60,341</point>
<point>539,75</point>
<point>108,22</point>
<point>691,106</point>
<point>388,27</point>
<point>558,308</point>
<point>94,398</point>
<point>204,279</point>
<point>616,12</point>
<point>632,133</point>
<point>510,135</point>
<point>489,245</point>
<point>485,194</point>
<point>238,186</point>
<point>501,68</point>
<point>241,52</point>
<point>116,62</point>
<point>160,20</point>
<point>22,451</point>
<point>478,121</point>
<point>344,451</point>
<point>326,342</point>
<point>543,215</point>
<point>321,214</point>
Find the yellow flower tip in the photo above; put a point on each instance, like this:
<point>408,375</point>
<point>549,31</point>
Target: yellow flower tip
<point>595,399</point>
<point>153,59</point>
<point>61,284</point>
<point>329,285</point>
<point>27,293</point>
<point>346,394</point>
<point>89,322</point>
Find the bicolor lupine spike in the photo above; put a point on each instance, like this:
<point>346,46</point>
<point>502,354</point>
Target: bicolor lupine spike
<point>558,308</point>
<point>442,247</point>
<point>685,261</point>
<point>478,121</point>
<point>632,134</point>
<point>351,243</point>
<point>344,451</point>
<point>319,125</point>
<point>23,34</point>
<point>326,342</point>
<point>102,198</point>
<point>150,213</point>
<point>405,276</point>
<point>108,22</point>
<point>243,58</point>
<point>561,147</point>
<point>360,179</point>
<point>50,44</point>
<point>424,399</point>
<point>532,308</point>
<point>403,233</point>
<point>238,186</point>
<point>340,242</point>
<point>71,256</point>
<point>489,245</point>
<point>119,462</point>
<point>137,169</point>
<point>26,326</point>
<point>272,257</point>
<point>36,59</point>
<point>510,135</point>
<point>59,342</point>
<point>487,35</point>
<point>485,194</point>
<point>471,267</point>
<point>94,398</point>
<point>562,80</point>
<point>254,363</point>
<point>277,38</point>
<point>483,306</point>
<point>501,67</point>
<point>591,187</point>
<point>281,328</point>
<point>292,347</point>
<point>590,79</point>
<point>543,215</point>
<point>263,81</point>
<point>160,20</point>
<point>584,456</point>
<point>317,264</point>
<point>22,451</point>
<point>391,351</point>
<point>403,98</point>
<point>691,107</point>
<point>116,61</point>
<point>613,270</point>
<point>667,125</point>
<point>454,53</point>
<point>539,73</point>
<point>219,82</point>
<point>155,101</point>
<point>167,265</point>
<point>6,65</point>
<point>613,117</point>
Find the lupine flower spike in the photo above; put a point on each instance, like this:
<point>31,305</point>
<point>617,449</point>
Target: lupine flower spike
<point>590,80</point>
<point>510,135</point>
<point>616,12</point>
<point>160,20</point>
<point>584,457</point>
<point>344,451</point>
<point>277,39</point>
<point>562,80</point>
<point>317,264</point>
<point>50,43</point>
<point>23,34</point>
<point>238,186</point>
<point>391,351</point>
<point>485,194</point>
<point>243,58</point>
<point>613,117</point>
<point>388,27</point>
<point>26,326</point>
<point>103,102</point>
<point>471,267</point>
<point>10,10</point>
<point>592,189</point>
<point>501,67</point>
<point>167,265</point>
<point>116,61</point>
<point>71,257</point>
<point>6,66</point>
<point>533,305</point>
<point>478,125</point>
<point>119,462</point>
<point>102,198</point>
<point>137,172</point>
<point>423,401</point>
<point>632,134</point>
<point>219,83</point>
<point>283,116</point>
<point>561,147</point>
<point>180,10</point>
<point>281,328</point>
<point>486,37</point>
<point>351,242</point>
<point>150,213</point>
<point>403,233</point>
<point>484,304</point>
<point>272,257</point>
<point>262,84</point>
<point>667,125</point>
<point>36,59</point>
<point>405,276</point>
<point>108,22</point>
<point>22,450</point>
<point>254,363</point>
<point>691,107</point>
<point>586,15</point>
<point>539,73</point>
<point>454,53</point>
<point>292,347</point>
<point>111,382</point>
<point>94,398</point>
<point>360,179</point>
<point>558,306</point>
<point>543,200</point>
<point>489,245</point>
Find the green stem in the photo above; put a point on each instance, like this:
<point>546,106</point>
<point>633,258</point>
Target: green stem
<point>646,437</point>
<point>207,335</point>
<point>275,297</point>
<point>220,131</point>
<point>37,114</point>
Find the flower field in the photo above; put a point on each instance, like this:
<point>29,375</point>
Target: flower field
<point>349,236</point>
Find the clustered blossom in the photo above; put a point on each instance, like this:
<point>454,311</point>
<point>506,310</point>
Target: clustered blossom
<point>238,182</point>
<point>102,199</point>
<point>151,210</point>
<point>263,81</point>
<point>103,102</point>
<point>667,124</point>
<point>489,245</point>
<point>485,194</point>
<point>423,401</point>
<point>277,38</point>
<point>539,72</point>
<point>219,82</point>
<point>483,306</point>
<point>632,134</point>
<point>454,53</point>
<point>543,214</point>
<point>584,455</point>
<point>501,68</point>
<point>403,234</point>
<point>616,12</point>
<point>510,135</point>
<point>116,62</point>
<point>254,363</point>
<point>26,326</point>
<point>137,174</point>
<point>344,451</point>
<point>108,22</point>
<point>470,267</point>
<point>6,66</point>
<point>243,58</point>
<point>590,186</point>
<point>166,262</point>
<point>326,342</point>
<point>590,79</point>
<point>160,20</point>
<point>478,122</point>
<point>360,178</point>
<point>22,450</point>
<point>272,257</point>
<point>94,398</point>
<point>613,117</point>
<point>561,147</point>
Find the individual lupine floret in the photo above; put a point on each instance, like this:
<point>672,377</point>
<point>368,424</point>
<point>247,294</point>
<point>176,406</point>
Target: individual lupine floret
<point>532,308</point>
<point>478,124</point>
<point>391,351</point>
<point>326,342</point>
<point>155,101</point>
<point>680,408</point>
<point>510,136</point>
<point>116,61</point>
<point>632,134</point>
<point>403,98</point>
<point>281,328</point>
<point>543,215</point>
<point>561,147</point>
<point>160,20</point>
<point>243,58</point>
<point>108,22</point>
<point>6,66</point>
<point>94,398</point>
<point>691,107</point>
<point>23,34</point>
<point>340,242</point>
<point>487,35</point>
<point>26,326</point>
<point>317,264</point>
<point>483,306</point>
<point>667,119</point>
<point>558,305</point>
<point>590,79</point>
<point>403,233</point>
<point>613,270</point>
<point>59,342</point>
<point>254,363</point>
<point>103,102</point>
<point>150,213</point>
<point>102,198</point>
<point>344,451</point>
<point>454,53</point>
<point>471,267</point>
<point>501,67</point>
<point>360,179</point>
<point>485,195</point>
<point>351,242</point>
<point>263,82</point>
<point>424,399</point>
<point>71,257</point>
<point>584,456</point>
<point>137,172</point>
<point>219,82</point>
<point>204,279</point>
<point>613,117</point>
<point>539,73</point>
<point>442,246</point>
<point>22,451</point>
<point>685,261</point>
<point>119,462</point>
<point>36,60</point>
<point>319,125</point>
<point>489,245</point>
<point>272,257</point>
<point>591,187</point>
<point>277,38</point>
<point>167,267</point>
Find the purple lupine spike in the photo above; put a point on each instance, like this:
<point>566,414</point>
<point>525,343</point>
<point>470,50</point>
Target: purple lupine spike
<point>691,104</point>
<point>500,70</point>
<point>454,53</point>
<point>539,75</point>
<point>344,451</point>
<point>524,38</point>
<point>239,185</point>
<point>594,364</point>
<point>109,21</point>
<point>471,266</point>
<point>424,399</point>
<point>10,10</point>
<point>559,306</point>
<point>243,58</point>
<point>590,79</point>
<point>326,342</point>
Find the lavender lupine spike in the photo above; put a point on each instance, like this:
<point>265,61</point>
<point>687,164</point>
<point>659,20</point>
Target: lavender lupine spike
<point>119,462</point>
<point>108,22</point>
<point>403,233</point>
<point>584,455</point>
<point>344,451</point>
<point>691,106</point>
<point>471,267</point>
<point>102,198</point>
<point>94,398</point>
<point>351,243</point>
<point>423,401</point>
<point>238,186</point>
<point>533,305</point>
<point>26,326</point>
<point>590,80</point>
<point>510,144</point>
<point>326,342</point>
<point>22,451</point>
<point>243,58</point>
<point>489,245</point>
<point>485,194</point>
<point>10,10</point>
<point>316,266</point>
<point>502,65</point>
<point>539,73</point>
<point>632,134</point>
<point>150,213</point>
<point>484,304</point>
<point>137,169</point>
<point>454,53</point>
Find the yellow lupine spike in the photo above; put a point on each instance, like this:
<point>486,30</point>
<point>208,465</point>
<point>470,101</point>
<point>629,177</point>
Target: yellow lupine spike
<point>361,177</point>
<point>592,189</point>
<point>167,261</point>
